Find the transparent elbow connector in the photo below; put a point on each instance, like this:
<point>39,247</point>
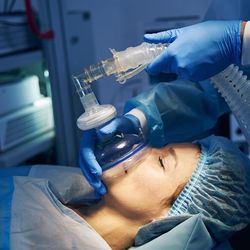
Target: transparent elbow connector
<point>124,64</point>
<point>95,114</point>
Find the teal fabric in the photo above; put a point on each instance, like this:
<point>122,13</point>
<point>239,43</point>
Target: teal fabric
<point>223,246</point>
<point>190,234</point>
<point>6,193</point>
<point>181,233</point>
<point>179,111</point>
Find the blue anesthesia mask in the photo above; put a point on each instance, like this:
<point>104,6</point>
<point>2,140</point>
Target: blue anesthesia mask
<point>120,153</point>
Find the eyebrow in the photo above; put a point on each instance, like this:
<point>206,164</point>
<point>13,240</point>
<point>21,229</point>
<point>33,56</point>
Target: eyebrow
<point>172,152</point>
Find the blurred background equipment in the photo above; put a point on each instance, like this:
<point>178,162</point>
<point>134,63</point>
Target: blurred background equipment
<point>57,39</point>
<point>15,34</point>
<point>28,116</point>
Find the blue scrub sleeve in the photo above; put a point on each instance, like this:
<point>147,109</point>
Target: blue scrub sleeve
<point>179,111</point>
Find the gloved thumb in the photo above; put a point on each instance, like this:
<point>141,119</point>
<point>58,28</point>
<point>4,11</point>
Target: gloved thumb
<point>108,130</point>
<point>161,63</point>
<point>123,124</point>
<point>161,37</point>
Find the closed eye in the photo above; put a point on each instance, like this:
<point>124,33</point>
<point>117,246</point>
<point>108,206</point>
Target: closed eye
<point>161,162</point>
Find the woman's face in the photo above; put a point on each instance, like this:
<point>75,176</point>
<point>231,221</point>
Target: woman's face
<point>147,190</point>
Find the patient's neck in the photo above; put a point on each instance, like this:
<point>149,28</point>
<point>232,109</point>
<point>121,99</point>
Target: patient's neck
<point>118,229</point>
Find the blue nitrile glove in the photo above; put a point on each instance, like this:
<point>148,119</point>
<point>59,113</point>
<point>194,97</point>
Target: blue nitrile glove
<point>126,124</point>
<point>88,163</point>
<point>199,51</point>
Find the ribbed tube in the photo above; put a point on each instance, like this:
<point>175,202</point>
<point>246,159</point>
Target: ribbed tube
<point>235,88</point>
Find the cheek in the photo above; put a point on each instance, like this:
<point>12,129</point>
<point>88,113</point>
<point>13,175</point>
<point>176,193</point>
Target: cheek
<point>148,182</point>
<point>139,189</point>
<point>143,190</point>
<point>136,186</point>
<point>153,186</point>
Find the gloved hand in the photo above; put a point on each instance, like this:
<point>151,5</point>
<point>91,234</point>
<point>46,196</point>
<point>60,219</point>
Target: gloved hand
<point>199,51</point>
<point>127,124</point>
<point>88,163</point>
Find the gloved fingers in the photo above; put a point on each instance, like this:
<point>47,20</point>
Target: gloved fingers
<point>134,123</point>
<point>161,37</point>
<point>161,63</point>
<point>88,139</point>
<point>116,126</point>
<point>100,189</point>
<point>123,124</point>
<point>87,152</point>
<point>109,129</point>
<point>88,158</point>
<point>163,77</point>
<point>88,163</point>
<point>93,179</point>
<point>87,143</point>
<point>92,171</point>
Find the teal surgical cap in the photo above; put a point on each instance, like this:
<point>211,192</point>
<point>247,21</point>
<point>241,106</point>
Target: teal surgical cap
<point>219,188</point>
